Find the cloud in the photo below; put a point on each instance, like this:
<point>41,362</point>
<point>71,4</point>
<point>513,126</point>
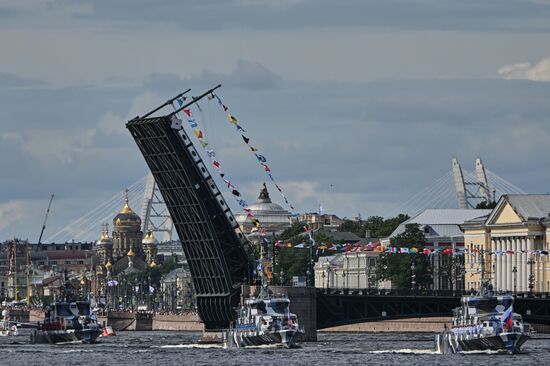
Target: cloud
<point>8,80</point>
<point>10,213</point>
<point>526,71</point>
<point>246,75</point>
<point>193,15</point>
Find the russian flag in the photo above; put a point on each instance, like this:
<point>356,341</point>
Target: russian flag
<point>506,318</point>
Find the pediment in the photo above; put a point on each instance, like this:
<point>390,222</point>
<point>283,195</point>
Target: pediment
<point>505,215</point>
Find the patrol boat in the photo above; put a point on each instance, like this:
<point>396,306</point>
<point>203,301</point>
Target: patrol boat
<point>484,323</point>
<point>264,320</point>
<point>67,321</point>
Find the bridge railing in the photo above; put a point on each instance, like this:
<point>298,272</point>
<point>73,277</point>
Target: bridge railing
<point>409,292</point>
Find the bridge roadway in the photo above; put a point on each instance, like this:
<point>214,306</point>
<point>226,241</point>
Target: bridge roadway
<point>341,306</point>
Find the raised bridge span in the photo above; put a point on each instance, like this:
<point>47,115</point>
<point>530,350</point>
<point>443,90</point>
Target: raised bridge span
<point>213,245</point>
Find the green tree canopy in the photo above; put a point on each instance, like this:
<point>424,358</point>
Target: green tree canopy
<point>399,268</point>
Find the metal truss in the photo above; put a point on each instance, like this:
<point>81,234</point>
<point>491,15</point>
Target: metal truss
<point>214,246</point>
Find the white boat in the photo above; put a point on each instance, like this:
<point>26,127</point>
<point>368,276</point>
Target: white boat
<point>264,320</point>
<point>484,323</point>
<point>7,327</point>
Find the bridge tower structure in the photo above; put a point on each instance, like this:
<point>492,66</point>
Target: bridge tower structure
<point>467,198</point>
<point>154,214</point>
<point>216,250</point>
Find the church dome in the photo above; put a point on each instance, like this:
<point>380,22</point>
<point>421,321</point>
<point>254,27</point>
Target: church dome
<point>271,215</point>
<point>149,239</point>
<point>105,240</point>
<point>126,216</point>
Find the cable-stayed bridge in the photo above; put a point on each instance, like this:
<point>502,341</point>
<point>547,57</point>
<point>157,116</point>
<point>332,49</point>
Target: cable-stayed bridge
<point>458,188</point>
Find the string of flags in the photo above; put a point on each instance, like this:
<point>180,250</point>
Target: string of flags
<point>347,247</point>
<point>262,160</point>
<point>193,123</point>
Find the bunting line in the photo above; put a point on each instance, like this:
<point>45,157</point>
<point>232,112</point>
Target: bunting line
<point>262,160</point>
<point>192,122</point>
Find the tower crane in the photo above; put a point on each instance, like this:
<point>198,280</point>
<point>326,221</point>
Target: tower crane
<point>45,220</point>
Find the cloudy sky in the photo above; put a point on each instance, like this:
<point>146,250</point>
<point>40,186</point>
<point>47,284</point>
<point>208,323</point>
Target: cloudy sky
<point>357,105</point>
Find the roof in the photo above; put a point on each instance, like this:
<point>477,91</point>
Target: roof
<point>444,222</point>
<point>80,254</point>
<point>339,235</point>
<point>530,206</point>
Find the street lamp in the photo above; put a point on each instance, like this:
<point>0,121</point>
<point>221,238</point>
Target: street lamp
<point>413,276</point>
<point>530,262</point>
<point>282,277</point>
<point>515,272</point>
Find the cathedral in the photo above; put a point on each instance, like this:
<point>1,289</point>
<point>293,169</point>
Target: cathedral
<point>127,250</point>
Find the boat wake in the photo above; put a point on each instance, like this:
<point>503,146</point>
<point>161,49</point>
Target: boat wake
<point>429,352</point>
<point>193,345</point>
<point>407,351</point>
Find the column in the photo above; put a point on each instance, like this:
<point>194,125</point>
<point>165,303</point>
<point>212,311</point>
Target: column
<point>509,258</point>
<point>504,273</point>
<point>499,265</point>
<point>515,264</point>
<point>521,266</point>
<point>493,263</point>
<point>504,265</point>
<point>524,269</point>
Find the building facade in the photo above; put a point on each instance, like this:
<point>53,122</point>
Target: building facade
<point>510,245</point>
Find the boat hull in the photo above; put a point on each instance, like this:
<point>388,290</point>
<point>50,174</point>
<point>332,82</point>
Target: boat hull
<point>504,342</point>
<point>239,339</point>
<point>65,336</point>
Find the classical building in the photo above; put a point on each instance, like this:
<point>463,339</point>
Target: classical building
<point>316,220</point>
<point>273,217</point>
<point>350,270</point>
<point>512,243</point>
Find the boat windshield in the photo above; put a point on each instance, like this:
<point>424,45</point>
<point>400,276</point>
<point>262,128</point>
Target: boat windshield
<point>492,304</point>
<point>280,307</point>
<point>63,310</point>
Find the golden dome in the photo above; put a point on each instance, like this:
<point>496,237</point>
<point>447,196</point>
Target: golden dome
<point>104,239</point>
<point>149,238</point>
<point>83,281</point>
<point>126,216</point>
<point>131,253</point>
<point>108,265</point>
<point>153,264</point>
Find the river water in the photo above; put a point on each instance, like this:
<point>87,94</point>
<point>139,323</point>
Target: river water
<point>177,348</point>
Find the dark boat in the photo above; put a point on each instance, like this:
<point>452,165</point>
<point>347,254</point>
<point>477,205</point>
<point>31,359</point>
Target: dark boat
<point>67,321</point>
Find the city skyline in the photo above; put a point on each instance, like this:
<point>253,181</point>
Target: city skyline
<point>366,112</point>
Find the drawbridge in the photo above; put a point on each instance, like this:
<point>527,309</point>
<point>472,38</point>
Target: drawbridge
<point>215,248</point>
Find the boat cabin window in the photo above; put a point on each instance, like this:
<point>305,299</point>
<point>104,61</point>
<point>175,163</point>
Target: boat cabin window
<point>260,306</point>
<point>280,307</point>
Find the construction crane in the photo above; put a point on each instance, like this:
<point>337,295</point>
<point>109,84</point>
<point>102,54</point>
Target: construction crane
<point>45,220</point>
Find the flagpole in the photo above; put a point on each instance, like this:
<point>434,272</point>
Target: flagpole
<point>195,99</point>
<point>170,101</point>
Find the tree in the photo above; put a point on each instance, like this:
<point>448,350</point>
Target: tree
<point>353,227</point>
<point>484,205</point>
<point>377,226</point>
<point>398,268</point>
